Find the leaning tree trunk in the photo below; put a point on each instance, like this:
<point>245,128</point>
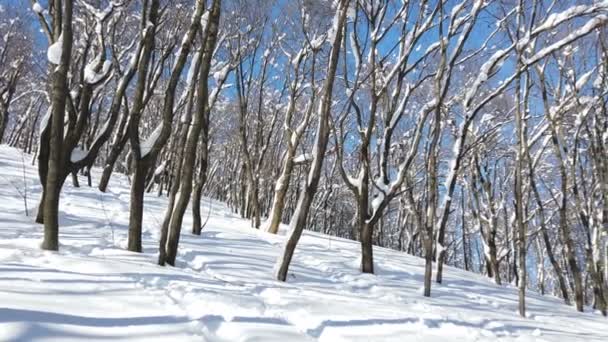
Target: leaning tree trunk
<point>301,214</point>
<point>293,141</point>
<point>108,168</point>
<point>194,132</point>
<point>278,201</point>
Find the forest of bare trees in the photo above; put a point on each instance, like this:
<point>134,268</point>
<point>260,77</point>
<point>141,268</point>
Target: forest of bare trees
<point>471,133</point>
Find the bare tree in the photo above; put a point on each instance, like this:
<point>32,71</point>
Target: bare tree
<point>200,122</point>
<point>299,220</point>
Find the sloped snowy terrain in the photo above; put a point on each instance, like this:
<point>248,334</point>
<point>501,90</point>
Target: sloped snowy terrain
<point>222,288</point>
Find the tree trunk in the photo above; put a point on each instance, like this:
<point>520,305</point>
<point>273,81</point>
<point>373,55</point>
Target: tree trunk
<point>197,195</point>
<point>197,223</point>
<point>494,265</point>
<point>367,257</point>
<point>136,205</point>
<point>140,164</point>
<point>428,266</point>
<point>545,236</point>
<point>60,91</point>
<point>51,210</point>
<point>519,191</point>
<point>40,213</point>
<point>75,182</point>
<point>3,120</point>
<point>301,214</point>
<point>278,202</point>
<point>201,120</point>
<point>110,162</point>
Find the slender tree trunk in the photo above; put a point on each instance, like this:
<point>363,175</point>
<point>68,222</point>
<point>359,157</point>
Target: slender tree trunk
<point>197,223</point>
<point>30,140</point>
<point>301,214</point>
<point>3,120</point>
<point>6,100</point>
<point>519,204</point>
<point>110,162</point>
<point>194,132</point>
<point>197,195</point>
<point>465,256</point>
<point>428,266</point>
<point>594,262</point>
<point>564,229</point>
<point>545,236</point>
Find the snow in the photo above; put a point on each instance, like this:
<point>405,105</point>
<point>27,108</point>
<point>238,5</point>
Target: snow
<point>493,63</point>
<point>457,9</point>
<point>37,8</point>
<point>581,31</point>
<point>298,57</point>
<point>353,44</point>
<point>204,21</point>
<point>554,19</point>
<point>54,51</point>
<point>101,14</point>
<point>304,157</point>
<point>377,201</point>
<point>432,47</point>
<point>146,146</point>
<point>45,120</point>
<point>160,169</point>
<point>318,41</point>
<point>222,288</point>
<point>92,77</point>
<point>333,30</point>
<point>220,75</point>
<point>580,83</point>
<point>439,247</point>
<point>78,154</point>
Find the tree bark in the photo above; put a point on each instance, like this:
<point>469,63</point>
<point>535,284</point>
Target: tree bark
<point>140,163</point>
<point>136,206</point>
<point>108,168</point>
<point>60,92</point>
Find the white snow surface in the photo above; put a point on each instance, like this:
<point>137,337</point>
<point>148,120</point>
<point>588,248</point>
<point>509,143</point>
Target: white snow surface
<point>222,287</point>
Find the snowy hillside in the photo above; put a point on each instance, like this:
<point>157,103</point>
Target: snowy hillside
<point>223,289</point>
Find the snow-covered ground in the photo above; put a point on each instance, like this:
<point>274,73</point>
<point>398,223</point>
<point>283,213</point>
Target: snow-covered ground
<point>222,288</point>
